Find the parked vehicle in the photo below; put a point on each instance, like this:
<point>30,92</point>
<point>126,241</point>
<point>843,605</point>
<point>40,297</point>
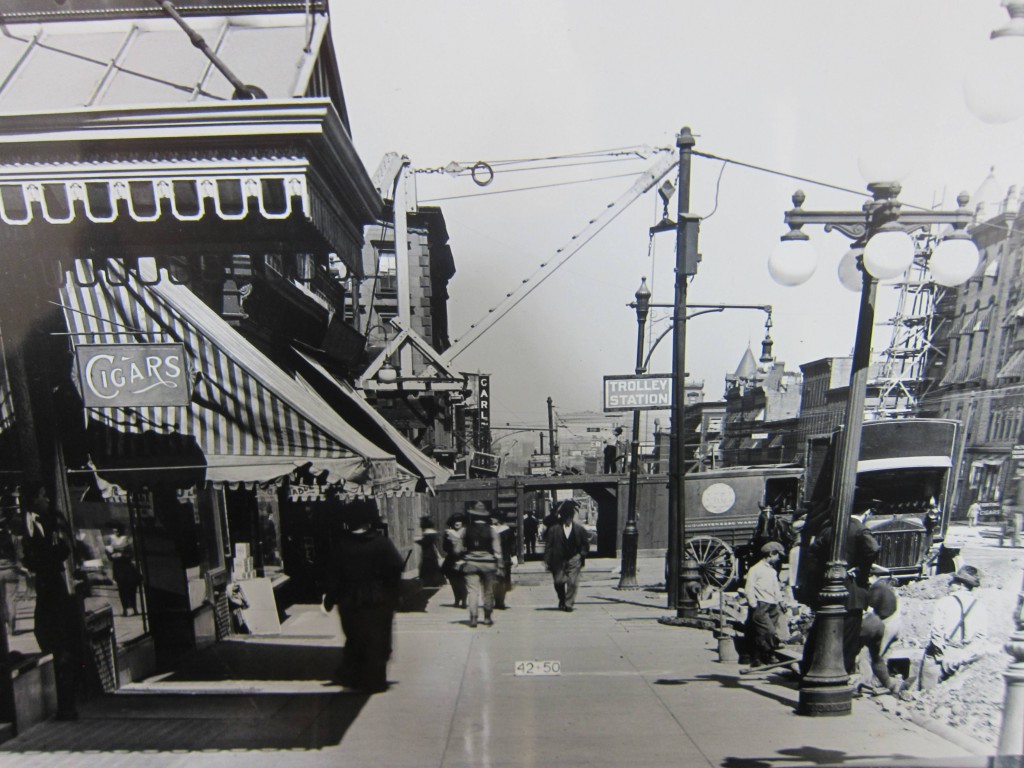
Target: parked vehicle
<point>722,508</point>
<point>905,473</point>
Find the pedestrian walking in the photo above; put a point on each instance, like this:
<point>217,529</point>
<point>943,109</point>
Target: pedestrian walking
<point>364,582</point>
<point>973,513</point>
<point>566,546</point>
<point>429,542</point>
<point>503,580</point>
<point>452,565</point>
<point>530,527</point>
<point>480,563</point>
<point>10,569</point>
<point>122,564</point>
<point>59,625</point>
<point>765,604</point>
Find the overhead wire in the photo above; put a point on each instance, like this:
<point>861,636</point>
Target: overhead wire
<point>461,167</point>
<point>514,298</point>
<point>468,171</point>
<point>518,295</point>
<point>533,188</point>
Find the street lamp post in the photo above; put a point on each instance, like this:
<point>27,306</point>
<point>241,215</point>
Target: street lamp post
<point>630,535</point>
<point>882,249</point>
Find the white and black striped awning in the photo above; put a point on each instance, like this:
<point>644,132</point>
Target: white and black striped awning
<point>251,420</point>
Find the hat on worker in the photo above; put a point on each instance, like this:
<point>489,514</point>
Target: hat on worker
<point>968,575</point>
<point>772,546</point>
<point>882,599</point>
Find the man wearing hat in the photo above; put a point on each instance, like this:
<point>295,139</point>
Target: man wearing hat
<point>959,629</point>
<point>364,582</point>
<point>566,546</point>
<point>765,603</point>
<point>480,562</point>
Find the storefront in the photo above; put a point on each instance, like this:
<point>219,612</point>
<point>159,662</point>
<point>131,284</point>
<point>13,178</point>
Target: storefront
<point>168,504</point>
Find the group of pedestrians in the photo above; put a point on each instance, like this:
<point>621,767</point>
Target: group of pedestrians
<point>477,550</point>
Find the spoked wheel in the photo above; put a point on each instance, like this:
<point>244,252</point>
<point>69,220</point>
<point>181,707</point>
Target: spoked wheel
<point>715,561</point>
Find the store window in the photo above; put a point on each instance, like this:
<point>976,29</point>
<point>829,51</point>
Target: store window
<point>106,565</point>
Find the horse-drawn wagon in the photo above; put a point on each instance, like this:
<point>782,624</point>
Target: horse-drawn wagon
<point>727,509</point>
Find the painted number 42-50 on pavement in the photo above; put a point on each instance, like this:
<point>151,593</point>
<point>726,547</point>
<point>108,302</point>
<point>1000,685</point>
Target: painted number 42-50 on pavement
<point>524,668</point>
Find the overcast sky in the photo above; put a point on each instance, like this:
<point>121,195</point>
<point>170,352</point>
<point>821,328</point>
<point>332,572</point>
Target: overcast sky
<point>828,91</point>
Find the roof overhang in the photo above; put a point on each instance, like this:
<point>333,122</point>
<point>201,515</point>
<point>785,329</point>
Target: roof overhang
<point>208,174</point>
<point>48,10</point>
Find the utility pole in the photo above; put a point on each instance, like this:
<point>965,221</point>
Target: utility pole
<point>683,576</point>
<point>551,434</point>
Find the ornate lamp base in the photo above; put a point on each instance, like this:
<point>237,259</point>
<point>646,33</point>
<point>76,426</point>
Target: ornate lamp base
<point>825,701</point>
<point>630,545</point>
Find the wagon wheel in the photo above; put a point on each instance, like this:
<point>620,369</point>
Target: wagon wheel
<point>715,560</point>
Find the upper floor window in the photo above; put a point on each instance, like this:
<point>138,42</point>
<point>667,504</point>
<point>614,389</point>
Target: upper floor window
<point>387,271</point>
<point>274,262</point>
<point>304,267</point>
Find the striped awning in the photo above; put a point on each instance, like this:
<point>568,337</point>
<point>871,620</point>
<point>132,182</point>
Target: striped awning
<point>956,374</point>
<point>348,401</point>
<point>1013,368</point>
<point>983,320</point>
<point>10,467</point>
<point>6,403</point>
<point>1015,314</point>
<point>967,325</point>
<point>251,420</point>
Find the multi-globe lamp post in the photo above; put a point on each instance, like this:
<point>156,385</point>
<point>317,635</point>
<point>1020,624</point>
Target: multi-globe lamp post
<point>882,248</point>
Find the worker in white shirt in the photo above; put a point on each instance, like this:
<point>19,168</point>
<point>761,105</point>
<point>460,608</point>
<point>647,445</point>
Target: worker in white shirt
<point>765,602</point>
<point>959,629</point>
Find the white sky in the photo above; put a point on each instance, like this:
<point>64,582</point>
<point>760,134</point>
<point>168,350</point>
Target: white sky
<point>806,87</point>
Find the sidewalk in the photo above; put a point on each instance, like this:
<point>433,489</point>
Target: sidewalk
<point>632,692</point>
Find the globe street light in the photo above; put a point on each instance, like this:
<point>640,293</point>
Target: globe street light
<point>882,230</point>
<point>992,88</point>
<point>630,535</point>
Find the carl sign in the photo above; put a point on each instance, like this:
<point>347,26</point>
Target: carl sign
<point>637,393</point>
<point>132,375</point>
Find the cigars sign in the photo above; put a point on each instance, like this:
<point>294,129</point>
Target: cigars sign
<point>132,375</point>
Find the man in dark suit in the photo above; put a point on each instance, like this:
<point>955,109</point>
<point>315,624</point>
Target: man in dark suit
<point>566,546</point>
<point>59,626</point>
<point>861,551</point>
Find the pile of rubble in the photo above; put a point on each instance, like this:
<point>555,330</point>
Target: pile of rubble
<point>972,700</point>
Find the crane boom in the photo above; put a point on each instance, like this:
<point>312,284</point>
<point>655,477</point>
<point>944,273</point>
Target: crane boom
<point>665,163</point>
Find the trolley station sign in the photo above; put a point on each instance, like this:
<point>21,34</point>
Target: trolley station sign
<point>132,375</point>
<point>638,393</point>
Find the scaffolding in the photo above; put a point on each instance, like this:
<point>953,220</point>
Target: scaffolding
<point>901,379</point>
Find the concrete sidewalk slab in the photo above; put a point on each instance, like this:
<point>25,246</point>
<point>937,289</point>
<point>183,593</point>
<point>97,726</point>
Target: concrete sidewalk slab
<point>631,692</point>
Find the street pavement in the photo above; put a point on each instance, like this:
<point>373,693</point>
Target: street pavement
<point>631,692</point>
